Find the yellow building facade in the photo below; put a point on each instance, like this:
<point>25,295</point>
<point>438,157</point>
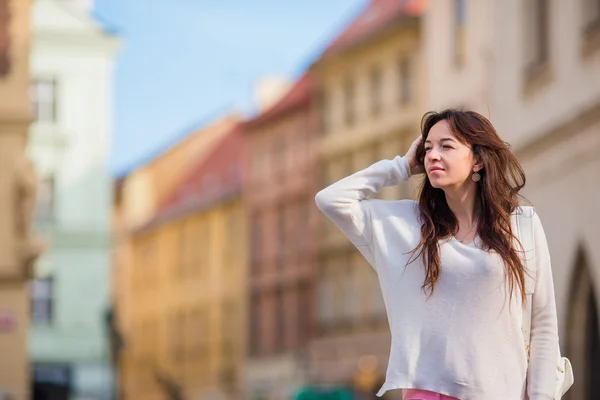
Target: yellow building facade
<point>180,284</point>
<point>370,85</point>
<point>18,246</point>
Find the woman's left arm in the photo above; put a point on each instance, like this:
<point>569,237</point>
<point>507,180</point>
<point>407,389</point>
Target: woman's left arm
<point>541,377</point>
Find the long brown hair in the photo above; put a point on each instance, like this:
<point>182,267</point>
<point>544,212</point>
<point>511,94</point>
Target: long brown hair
<point>497,197</point>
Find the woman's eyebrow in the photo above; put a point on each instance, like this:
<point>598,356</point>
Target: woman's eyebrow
<point>442,140</point>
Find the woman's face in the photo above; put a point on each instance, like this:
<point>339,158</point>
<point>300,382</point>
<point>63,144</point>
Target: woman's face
<point>448,162</point>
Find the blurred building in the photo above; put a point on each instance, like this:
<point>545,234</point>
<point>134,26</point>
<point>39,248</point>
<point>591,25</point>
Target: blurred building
<point>546,103</point>
<point>370,84</point>
<point>18,245</point>
<point>533,67</point>
<point>191,255</point>
<point>162,294</point>
<point>279,188</point>
<point>457,55</point>
<point>72,61</point>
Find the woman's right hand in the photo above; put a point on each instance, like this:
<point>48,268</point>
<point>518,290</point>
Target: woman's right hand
<point>411,156</point>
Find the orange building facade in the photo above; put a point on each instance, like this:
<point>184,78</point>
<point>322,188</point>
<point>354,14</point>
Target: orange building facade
<point>161,264</point>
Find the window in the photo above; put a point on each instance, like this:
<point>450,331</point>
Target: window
<point>354,276</point>
<point>304,313</point>
<point>190,248</point>
<point>192,329</point>
<point>326,293</point>
<point>148,261</point>
<point>279,321</point>
<point>405,80</point>
<point>42,299</point>
<point>591,15</point>
<point>44,99</point>
<point>183,251</point>
<point>255,321</point>
<point>349,98</point>
<point>256,242</point>
<point>257,165</point>
<point>177,336</point>
<point>279,158</point>
<point>231,235</point>
<point>324,111</point>
<point>460,36</point>
<point>46,200</point>
<point>302,229</point>
<point>536,33</point>
<point>205,245</point>
<point>196,333</point>
<point>281,237</point>
<point>229,318</point>
<point>376,91</point>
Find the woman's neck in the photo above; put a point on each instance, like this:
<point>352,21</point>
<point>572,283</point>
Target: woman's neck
<point>462,203</point>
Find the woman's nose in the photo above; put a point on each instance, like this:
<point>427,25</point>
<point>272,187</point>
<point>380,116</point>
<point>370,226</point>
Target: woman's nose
<point>433,155</point>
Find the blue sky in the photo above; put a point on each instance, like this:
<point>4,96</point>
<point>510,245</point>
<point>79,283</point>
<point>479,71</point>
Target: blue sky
<point>184,62</point>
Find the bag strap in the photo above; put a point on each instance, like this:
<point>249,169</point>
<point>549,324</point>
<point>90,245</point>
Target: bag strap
<point>523,218</point>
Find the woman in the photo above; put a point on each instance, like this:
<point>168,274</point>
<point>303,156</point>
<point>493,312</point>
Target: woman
<point>448,266</point>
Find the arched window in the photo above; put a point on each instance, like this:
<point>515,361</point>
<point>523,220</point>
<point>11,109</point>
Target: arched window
<point>583,339</point>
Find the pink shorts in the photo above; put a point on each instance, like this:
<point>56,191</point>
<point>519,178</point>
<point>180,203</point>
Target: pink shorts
<point>418,394</point>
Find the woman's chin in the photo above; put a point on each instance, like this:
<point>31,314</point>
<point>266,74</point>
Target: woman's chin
<point>437,183</point>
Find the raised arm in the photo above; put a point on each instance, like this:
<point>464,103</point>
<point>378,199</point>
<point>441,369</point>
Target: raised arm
<point>541,379</point>
<point>343,202</point>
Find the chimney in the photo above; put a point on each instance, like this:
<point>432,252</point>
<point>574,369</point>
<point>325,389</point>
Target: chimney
<point>269,90</point>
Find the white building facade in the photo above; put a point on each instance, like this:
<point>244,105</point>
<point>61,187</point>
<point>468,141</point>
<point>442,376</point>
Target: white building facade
<point>72,62</point>
<point>533,67</point>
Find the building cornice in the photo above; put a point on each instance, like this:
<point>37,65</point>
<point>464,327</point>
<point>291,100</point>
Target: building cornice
<point>60,239</point>
<point>66,39</point>
<point>560,133</point>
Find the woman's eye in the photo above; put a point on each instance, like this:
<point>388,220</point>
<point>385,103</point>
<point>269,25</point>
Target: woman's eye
<point>447,147</point>
<point>427,149</point>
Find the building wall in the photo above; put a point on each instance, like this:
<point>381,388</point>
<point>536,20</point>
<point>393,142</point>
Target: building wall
<point>139,197</point>
<point>548,109</point>
<point>181,277</point>
<point>550,112</point>
<point>192,336</point>
<point>458,55</point>
<point>279,188</point>
<point>528,105</point>
<point>350,307</point>
<point>72,151</point>
<point>16,182</point>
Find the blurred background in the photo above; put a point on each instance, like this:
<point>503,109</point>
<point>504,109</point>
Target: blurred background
<point>159,161</point>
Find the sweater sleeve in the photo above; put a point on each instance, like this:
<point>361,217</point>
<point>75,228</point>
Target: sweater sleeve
<point>343,201</point>
<point>544,325</point>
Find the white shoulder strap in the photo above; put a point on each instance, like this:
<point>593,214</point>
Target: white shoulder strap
<point>523,220</point>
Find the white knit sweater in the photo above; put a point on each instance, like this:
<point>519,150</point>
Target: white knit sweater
<point>465,340</point>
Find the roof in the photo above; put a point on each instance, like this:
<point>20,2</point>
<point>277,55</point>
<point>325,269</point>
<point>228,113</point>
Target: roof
<point>377,16</point>
<point>297,96</point>
<point>214,179</point>
<point>179,138</point>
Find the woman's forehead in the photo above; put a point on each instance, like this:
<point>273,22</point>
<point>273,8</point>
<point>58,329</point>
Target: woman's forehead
<point>440,131</point>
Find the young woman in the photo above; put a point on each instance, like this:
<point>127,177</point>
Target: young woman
<point>450,266</point>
